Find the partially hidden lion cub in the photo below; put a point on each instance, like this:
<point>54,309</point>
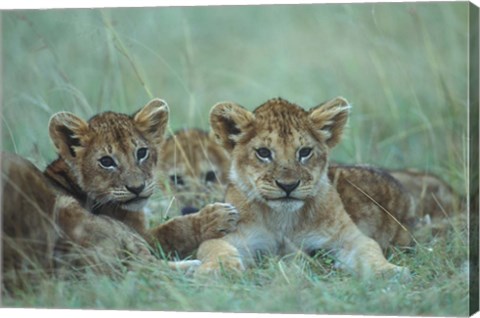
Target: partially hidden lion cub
<point>279,182</point>
<point>195,169</point>
<point>95,191</point>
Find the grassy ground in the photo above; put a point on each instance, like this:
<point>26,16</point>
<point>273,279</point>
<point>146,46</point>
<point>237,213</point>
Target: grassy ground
<point>402,66</point>
<point>438,288</point>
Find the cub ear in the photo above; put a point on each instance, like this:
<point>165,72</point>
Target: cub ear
<point>329,119</point>
<point>229,123</point>
<point>66,131</point>
<point>152,120</point>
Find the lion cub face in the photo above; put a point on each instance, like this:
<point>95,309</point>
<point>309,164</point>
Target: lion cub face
<point>113,156</point>
<point>195,167</point>
<point>280,151</point>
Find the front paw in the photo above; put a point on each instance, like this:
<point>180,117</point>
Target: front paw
<point>217,220</point>
<point>188,267</point>
<point>391,272</point>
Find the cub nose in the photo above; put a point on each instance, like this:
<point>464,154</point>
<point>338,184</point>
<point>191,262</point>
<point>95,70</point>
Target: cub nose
<point>287,187</point>
<point>136,189</point>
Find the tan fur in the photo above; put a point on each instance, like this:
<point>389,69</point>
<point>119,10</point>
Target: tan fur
<point>103,209</point>
<point>195,167</point>
<point>285,199</point>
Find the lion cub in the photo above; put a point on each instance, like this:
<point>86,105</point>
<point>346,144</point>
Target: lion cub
<point>109,164</point>
<point>93,194</point>
<point>195,169</point>
<point>279,183</point>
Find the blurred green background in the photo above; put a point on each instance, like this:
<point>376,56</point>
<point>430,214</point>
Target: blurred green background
<point>403,67</point>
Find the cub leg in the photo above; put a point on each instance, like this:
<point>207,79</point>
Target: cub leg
<point>360,253</point>
<point>182,235</point>
<point>134,219</point>
<point>96,241</point>
<point>104,243</point>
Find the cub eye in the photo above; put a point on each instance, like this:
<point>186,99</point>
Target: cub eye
<point>107,162</point>
<point>177,180</point>
<point>210,176</point>
<point>264,153</point>
<point>142,154</point>
<point>305,153</point>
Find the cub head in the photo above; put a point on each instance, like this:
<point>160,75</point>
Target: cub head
<point>196,168</point>
<point>113,156</point>
<point>279,151</point>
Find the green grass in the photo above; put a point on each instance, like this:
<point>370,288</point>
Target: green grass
<point>402,66</point>
<point>438,287</point>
